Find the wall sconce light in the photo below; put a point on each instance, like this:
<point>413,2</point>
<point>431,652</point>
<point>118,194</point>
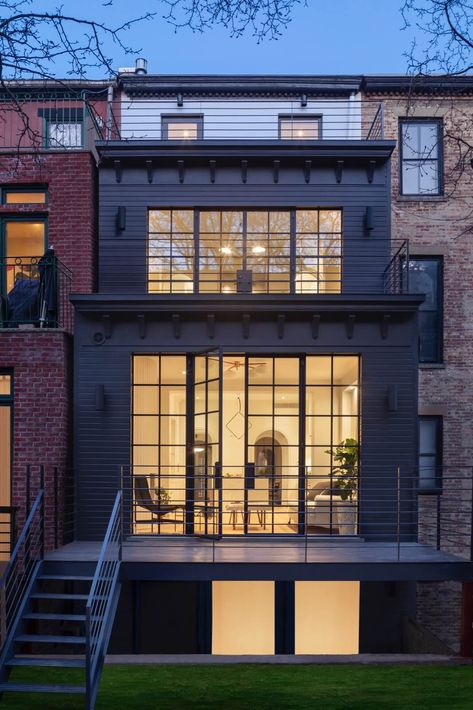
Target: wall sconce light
<point>393,398</point>
<point>180,100</point>
<point>99,398</point>
<point>369,220</point>
<point>121,219</point>
<point>304,100</point>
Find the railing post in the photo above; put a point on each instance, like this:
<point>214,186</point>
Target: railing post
<point>438,522</point>
<point>28,489</point>
<point>43,509</point>
<point>398,513</point>
<point>471,517</point>
<point>88,659</point>
<point>56,508</point>
<point>382,119</point>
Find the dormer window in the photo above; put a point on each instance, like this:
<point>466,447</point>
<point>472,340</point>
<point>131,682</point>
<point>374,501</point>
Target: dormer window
<point>300,128</point>
<point>182,128</point>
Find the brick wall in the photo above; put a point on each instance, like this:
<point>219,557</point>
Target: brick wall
<point>442,226</point>
<point>41,364</point>
<point>71,209</point>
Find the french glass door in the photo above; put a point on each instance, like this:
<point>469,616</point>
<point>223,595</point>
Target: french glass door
<point>206,447</point>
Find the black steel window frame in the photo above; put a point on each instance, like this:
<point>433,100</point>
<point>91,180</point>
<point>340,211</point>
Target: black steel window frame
<point>438,122</point>
<point>438,311</point>
<point>302,443</point>
<point>197,119</point>
<point>293,233</point>
<point>7,401</point>
<point>17,217</point>
<point>18,189</point>
<point>296,118</point>
<point>437,420</point>
<point>51,116</point>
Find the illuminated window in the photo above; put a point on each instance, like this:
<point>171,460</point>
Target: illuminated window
<point>243,618</point>
<point>17,196</point>
<point>183,127</point>
<point>245,251</point>
<point>6,432</point>
<point>300,127</point>
<point>24,246</point>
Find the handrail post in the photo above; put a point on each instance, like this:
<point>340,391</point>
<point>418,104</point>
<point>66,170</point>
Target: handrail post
<point>56,508</point>
<point>88,657</point>
<point>398,513</point>
<point>438,522</point>
<point>28,489</point>
<point>43,510</point>
<point>471,517</point>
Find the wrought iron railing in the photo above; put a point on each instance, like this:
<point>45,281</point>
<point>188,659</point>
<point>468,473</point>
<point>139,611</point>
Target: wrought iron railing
<point>35,292</point>
<point>43,121</point>
<point>19,575</point>
<point>102,601</point>
<point>159,119</point>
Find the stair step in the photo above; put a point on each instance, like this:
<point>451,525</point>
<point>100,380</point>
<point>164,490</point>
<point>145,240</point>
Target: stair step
<point>46,662</point>
<point>49,595</point>
<point>55,617</point>
<point>44,638</point>
<point>65,578</point>
<point>34,688</point>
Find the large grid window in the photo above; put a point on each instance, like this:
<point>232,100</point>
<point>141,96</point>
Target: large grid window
<point>426,277</point>
<point>244,251</point>
<point>421,157</point>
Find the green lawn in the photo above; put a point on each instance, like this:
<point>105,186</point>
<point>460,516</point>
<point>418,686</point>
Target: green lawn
<point>261,687</point>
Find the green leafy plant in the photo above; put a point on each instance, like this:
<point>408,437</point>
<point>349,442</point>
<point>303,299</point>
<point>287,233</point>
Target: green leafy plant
<point>345,471</point>
<point>162,496</point>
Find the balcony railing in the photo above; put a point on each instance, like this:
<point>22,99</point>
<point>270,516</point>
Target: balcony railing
<point>40,122</point>
<point>35,293</point>
<point>157,119</point>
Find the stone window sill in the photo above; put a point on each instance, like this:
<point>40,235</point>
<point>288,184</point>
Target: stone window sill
<point>432,366</point>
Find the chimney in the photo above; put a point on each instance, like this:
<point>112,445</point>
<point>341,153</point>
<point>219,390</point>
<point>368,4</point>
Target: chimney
<point>141,66</point>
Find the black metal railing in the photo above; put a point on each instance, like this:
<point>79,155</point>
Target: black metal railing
<point>392,508</point>
<point>43,121</point>
<point>396,274</point>
<point>35,293</point>
<point>19,575</point>
<point>240,120</point>
<point>102,601</point>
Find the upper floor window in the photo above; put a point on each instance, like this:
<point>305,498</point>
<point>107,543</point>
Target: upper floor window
<point>426,277</point>
<point>24,245</point>
<point>19,195</point>
<point>244,251</point>
<point>182,127</point>
<point>300,127</point>
<point>63,127</point>
<point>430,453</point>
<point>421,157</point>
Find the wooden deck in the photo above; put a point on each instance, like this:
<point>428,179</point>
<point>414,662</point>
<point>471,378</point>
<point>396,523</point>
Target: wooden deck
<point>261,551</point>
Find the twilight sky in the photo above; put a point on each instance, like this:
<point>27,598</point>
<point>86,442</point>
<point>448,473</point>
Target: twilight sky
<point>327,37</point>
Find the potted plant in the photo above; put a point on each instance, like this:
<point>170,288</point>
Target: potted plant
<point>345,484</point>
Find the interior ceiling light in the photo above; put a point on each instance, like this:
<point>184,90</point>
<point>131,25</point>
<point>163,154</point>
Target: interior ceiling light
<point>226,250</point>
<point>198,449</point>
<point>258,249</point>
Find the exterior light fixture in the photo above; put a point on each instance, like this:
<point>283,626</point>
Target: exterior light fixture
<point>180,100</point>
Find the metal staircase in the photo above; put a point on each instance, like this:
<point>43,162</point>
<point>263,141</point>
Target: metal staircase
<point>50,618</point>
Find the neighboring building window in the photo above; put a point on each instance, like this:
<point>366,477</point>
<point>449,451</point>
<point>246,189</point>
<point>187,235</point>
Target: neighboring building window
<point>23,196</point>
<point>430,453</point>
<point>63,127</point>
<point>245,251</point>
<point>421,157</point>
<point>182,127</point>
<point>426,277</point>
<point>300,127</point>
<point>24,245</point>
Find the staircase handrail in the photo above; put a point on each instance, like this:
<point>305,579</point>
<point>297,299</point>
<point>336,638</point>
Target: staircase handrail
<point>102,601</point>
<point>19,574</point>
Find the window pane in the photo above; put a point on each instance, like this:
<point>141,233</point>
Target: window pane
<point>182,130</point>
<point>299,128</point>
<point>24,238</point>
<point>12,197</point>
<point>428,436</point>
<point>5,384</point>
<point>429,337</point>
<point>423,276</point>
<point>65,135</point>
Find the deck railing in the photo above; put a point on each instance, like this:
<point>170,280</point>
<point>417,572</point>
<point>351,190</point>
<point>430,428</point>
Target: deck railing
<point>102,601</point>
<point>35,293</point>
<point>394,508</point>
<point>244,119</point>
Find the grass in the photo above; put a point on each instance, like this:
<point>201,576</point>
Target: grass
<point>259,687</point>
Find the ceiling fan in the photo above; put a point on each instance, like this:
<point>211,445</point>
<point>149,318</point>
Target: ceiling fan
<point>235,365</point>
